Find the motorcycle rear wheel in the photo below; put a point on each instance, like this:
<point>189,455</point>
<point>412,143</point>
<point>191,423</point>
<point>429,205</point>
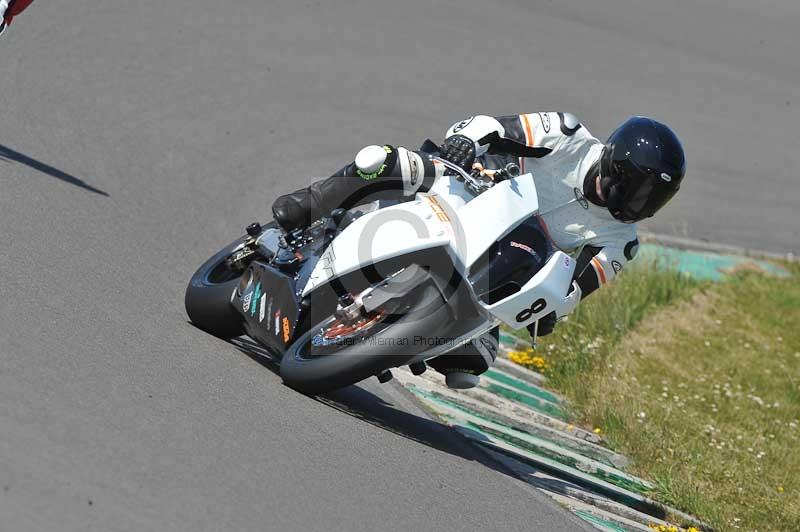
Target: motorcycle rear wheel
<point>208,296</point>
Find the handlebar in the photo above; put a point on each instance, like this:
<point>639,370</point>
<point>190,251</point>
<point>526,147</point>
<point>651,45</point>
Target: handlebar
<point>475,185</point>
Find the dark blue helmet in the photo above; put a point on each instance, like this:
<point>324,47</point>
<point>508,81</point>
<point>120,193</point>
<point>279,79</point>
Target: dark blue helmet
<point>641,168</point>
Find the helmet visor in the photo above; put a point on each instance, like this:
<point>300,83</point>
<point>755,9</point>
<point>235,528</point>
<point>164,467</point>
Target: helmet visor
<point>638,193</point>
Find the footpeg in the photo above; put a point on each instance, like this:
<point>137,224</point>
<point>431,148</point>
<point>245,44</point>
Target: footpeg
<point>418,368</point>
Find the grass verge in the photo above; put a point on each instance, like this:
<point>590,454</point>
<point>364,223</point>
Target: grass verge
<point>698,384</point>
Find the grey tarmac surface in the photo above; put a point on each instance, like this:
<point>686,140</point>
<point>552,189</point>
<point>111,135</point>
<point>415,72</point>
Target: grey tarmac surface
<point>136,139</point>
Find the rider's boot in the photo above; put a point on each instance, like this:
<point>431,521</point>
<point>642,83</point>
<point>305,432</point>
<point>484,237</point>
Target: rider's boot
<point>377,173</point>
<point>463,366</point>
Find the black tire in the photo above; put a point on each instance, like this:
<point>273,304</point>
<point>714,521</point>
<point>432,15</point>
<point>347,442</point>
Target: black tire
<point>427,316</point>
<point>208,296</point>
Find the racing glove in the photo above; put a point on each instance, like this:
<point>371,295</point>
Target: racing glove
<point>459,150</point>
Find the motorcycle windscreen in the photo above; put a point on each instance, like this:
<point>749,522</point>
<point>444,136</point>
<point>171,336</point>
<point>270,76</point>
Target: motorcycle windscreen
<point>490,216</point>
<point>510,262</point>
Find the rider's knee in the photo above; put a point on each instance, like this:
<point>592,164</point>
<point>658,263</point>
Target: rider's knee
<point>372,162</point>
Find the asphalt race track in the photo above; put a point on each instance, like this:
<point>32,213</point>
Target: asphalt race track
<point>135,140</point>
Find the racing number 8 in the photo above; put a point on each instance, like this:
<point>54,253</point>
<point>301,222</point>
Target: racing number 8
<point>538,306</point>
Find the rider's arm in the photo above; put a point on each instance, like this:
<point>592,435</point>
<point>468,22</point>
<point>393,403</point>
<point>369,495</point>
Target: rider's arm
<point>534,130</point>
<point>598,265</point>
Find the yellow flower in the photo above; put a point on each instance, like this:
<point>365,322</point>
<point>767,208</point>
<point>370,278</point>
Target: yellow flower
<point>538,362</point>
<point>527,359</point>
<point>780,489</point>
<point>520,357</point>
<point>692,529</point>
<point>597,430</point>
<point>670,528</point>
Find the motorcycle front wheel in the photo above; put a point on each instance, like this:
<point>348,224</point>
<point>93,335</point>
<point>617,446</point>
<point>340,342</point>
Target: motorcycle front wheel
<point>332,354</point>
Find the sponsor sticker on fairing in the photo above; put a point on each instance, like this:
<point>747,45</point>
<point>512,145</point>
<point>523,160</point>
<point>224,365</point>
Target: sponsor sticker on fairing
<point>287,331</point>
<point>522,246</point>
<point>262,308</point>
<point>437,209</point>
<point>277,322</point>
<point>255,299</point>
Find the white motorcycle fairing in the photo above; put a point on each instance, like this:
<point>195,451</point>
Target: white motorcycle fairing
<point>467,226</point>
<point>380,235</point>
<point>549,290</point>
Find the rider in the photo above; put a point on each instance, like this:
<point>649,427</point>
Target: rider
<point>590,194</point>
<point>10,9</point>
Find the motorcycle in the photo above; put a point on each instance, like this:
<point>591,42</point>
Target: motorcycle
<point>362,291</point>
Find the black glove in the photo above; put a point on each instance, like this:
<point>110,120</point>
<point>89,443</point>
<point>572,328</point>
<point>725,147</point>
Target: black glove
<point>459,150</point>
<point>546,325</point>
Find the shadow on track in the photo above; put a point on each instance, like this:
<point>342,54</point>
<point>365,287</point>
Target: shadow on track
<point>368,407</point>
<point>7,154</point>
